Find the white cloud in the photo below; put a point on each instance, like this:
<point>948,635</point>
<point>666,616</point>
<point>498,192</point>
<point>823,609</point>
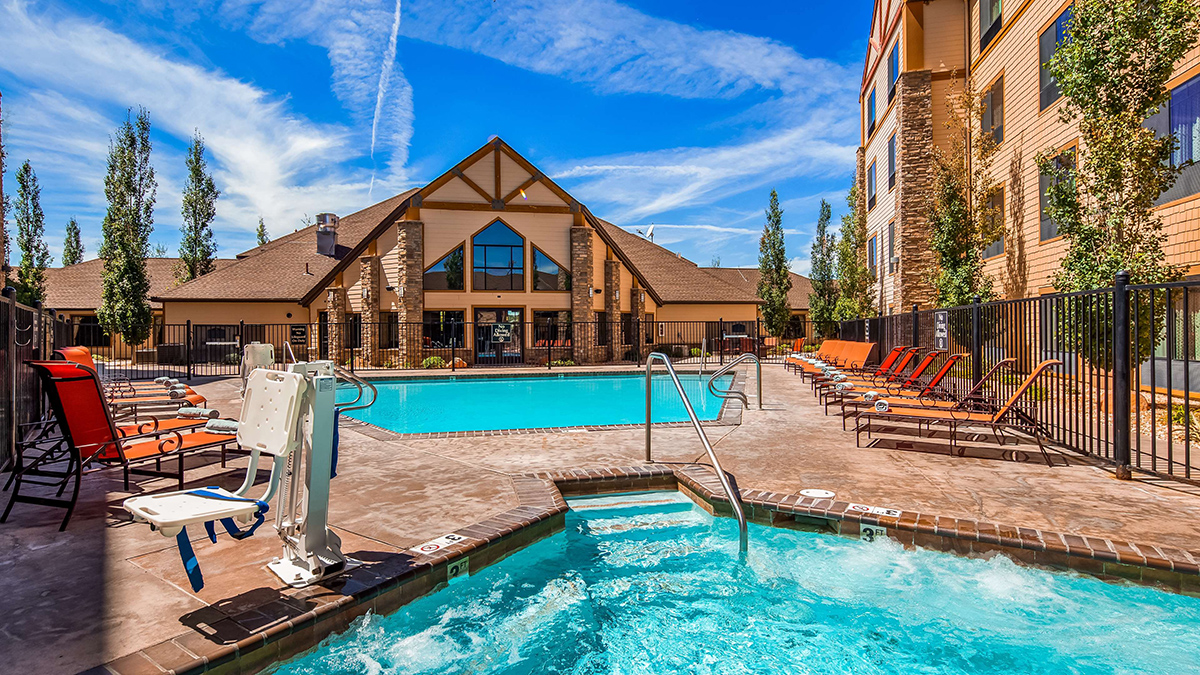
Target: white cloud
<point>76,78</point>
<point>801,265</point>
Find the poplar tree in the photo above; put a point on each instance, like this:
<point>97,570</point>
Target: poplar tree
<point>822,302</point>
<point>197,248</point>
<point>856,281</point>
<point>73,245</point>
<point>31,229</point>
<point>261,232</point>
<point>130,188</point>
<point>774,277</point>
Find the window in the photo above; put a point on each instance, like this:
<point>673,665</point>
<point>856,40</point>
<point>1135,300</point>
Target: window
<point>891,247</point>
<point>626,328</point>
<point>447,273</point>
<point>353,329</point>
<point>88,333</point>
<point>649,329</point>
<point>871,255</point>
<point>601,328</point>
<point>498,257</point>
<point>1049,229</point>
<point>871,186</point>
<point>871,113</point>
<point>1180,116</point>
<point>549,275</point>
<point>989,21</point>
<point>892,162</point>
<point>1048,42</point>
<point>996,205</point>
<point>993,110</point>
<point>893,70</point>
<point>552,329</point>
<point>443,329</point>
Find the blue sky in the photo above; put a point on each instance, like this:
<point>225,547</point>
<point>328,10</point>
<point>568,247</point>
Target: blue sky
<point>681,114</point>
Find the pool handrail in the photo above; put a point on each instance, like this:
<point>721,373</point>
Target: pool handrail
<point>729,393</point>
<point>359,382</point>
<point>735,501</point>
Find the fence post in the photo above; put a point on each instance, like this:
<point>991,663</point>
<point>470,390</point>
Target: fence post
<point>721,344</point>
<point>976,341</point>
<point>1121,375</point>
<point>10,453</point>
<point>187,348</point>
<point>453,346</point>
<point>916,328</point>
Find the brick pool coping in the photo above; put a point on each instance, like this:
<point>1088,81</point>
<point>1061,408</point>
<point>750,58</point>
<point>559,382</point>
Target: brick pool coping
<point>280,630</point>
<point>730,414</point>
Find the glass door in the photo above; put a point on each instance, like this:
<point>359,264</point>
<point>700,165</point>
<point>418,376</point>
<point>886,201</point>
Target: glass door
<point>498,338</point>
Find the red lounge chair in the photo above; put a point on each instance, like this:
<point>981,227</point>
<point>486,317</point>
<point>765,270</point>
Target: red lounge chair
<point>1007,416</point>
<point>89,437</point>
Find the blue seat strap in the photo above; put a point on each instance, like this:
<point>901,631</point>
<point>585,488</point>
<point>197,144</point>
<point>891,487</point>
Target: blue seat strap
<point>190,564</point>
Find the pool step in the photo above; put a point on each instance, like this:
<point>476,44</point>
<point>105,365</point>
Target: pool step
<point>632,503</point>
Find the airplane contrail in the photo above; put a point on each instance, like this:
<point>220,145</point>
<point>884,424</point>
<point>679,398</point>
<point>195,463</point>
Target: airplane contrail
<point>385,75</point>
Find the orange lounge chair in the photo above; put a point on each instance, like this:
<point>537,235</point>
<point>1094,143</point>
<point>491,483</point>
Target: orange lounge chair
<point>90,437</point>
<point>829,390</point>
<point>1006,417</point>
<point>827,352</point>
<point>821,379</point>
<point>972,400</point>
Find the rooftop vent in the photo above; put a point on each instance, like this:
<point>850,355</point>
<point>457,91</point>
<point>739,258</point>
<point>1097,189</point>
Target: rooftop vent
<point>327,234</point>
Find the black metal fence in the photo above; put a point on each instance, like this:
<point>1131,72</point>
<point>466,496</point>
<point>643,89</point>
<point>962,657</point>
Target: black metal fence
<point>1128,386</point>
<point>26,333</point>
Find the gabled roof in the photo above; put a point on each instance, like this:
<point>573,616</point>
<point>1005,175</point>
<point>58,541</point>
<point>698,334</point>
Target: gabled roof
<point>289,268</point>
<point>673,277</point>
<point>747,278</point>
<point>79,287</point>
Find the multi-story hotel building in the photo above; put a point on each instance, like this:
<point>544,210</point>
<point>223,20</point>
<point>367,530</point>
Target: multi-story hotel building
<point>917,49</point>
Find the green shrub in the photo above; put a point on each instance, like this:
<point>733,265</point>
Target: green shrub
<point>433,362</point>
<point>233,358</point>
<point>695,351</point>
<point>559,363</point>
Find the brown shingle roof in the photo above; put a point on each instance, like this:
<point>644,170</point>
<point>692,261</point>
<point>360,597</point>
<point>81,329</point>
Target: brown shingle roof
<point>79,287</point>
<point>747,278</point>
<point>288,268</point>
<point>672,277</point>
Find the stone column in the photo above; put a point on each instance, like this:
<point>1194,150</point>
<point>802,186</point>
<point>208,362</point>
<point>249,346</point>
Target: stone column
<point>914,181</point>
<point>581,298</point>
<point>410,285</point>
<point>612,306</point>
<point>335,306</point>
<point>370,271</point>
<point>637,305</point>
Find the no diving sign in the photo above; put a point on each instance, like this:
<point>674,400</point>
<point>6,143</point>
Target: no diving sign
<point>435,545</point>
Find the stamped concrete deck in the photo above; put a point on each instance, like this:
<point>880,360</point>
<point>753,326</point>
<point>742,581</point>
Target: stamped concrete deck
<point>106,588</point>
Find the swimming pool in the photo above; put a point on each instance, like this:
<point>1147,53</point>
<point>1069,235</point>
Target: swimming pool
<point>650,584</point>
<point>419,405</point>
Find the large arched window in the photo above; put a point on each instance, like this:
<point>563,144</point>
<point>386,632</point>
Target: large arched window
<point>498,258</point>
<point>447,273</point>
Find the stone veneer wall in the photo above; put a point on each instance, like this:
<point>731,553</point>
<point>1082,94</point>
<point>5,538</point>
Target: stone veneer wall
<point>410,284</point>
<point>581,285</point>
<point>612,305</point>
<point>335,306</point>
<point>370,272</point>
<point>637,304</point>
<point>915,170</point>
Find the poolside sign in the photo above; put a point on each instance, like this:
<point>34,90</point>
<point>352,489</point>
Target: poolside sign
<point>434,545</point>
<point>298,334</point>
<point>502,332</point>
<point>941,330</point>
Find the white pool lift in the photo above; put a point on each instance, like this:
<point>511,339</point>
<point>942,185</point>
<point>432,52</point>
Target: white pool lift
<point>291,417</point>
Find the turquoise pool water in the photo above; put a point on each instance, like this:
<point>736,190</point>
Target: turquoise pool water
<point>481,404</point>
<point>650,584</point>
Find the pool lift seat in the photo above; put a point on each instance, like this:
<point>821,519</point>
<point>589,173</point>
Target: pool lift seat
<point>291,417</point>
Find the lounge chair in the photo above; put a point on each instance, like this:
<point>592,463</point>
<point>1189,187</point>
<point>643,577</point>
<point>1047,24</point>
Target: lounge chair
<point>1006,417</point>
<point>827,378</point>
<point>827,352</point>
<point>852,356</point>
<point>896,381</point>
<point>933,395</point>
<point>91,438</point>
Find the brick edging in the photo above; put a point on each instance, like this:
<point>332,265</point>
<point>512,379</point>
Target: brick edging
<point>541,512</point>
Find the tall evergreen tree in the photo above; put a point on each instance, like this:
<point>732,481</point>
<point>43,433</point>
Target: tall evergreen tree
<point>31,230</point>
<point>197,248</point>
<point>822,302</point>
<point>131,189</point>
<point>774,277</point>
<point>73,246</point>
<point>856,281</point>
<point>261,232</point>
<point>4,240</point>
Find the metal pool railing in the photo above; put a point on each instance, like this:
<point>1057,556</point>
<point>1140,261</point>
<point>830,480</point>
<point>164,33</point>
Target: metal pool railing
<point>729,393</point>
<point>734,499</point>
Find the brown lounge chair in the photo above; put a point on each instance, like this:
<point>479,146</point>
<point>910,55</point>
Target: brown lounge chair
<point>90,437</point>
<point>1005,417</point>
